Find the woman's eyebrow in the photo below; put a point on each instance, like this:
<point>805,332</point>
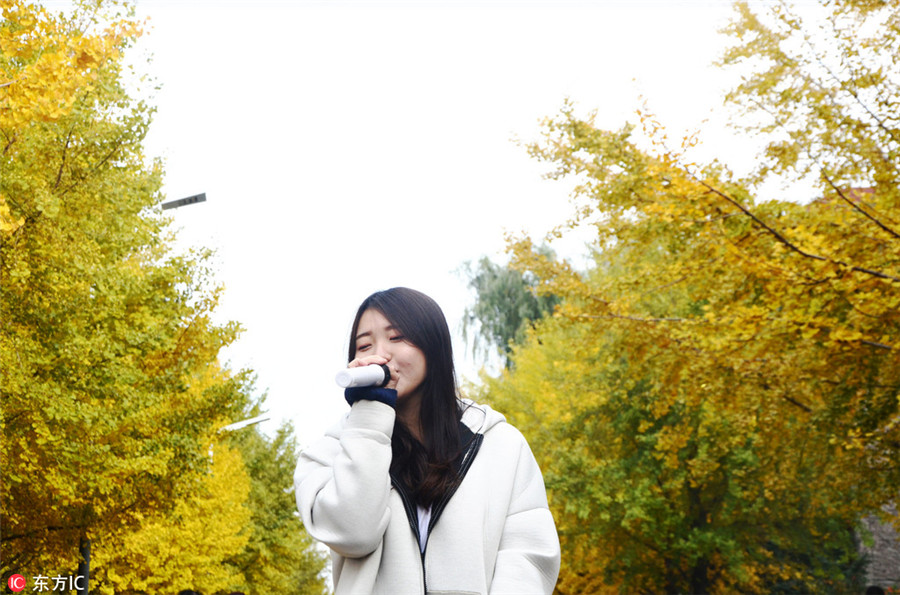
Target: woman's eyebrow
<point>387,329</point>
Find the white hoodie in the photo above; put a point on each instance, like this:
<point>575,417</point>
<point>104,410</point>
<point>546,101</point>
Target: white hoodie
<point>496,534</point>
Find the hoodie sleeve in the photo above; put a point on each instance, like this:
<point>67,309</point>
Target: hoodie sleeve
<point>342,482</point>
<point>529,555</point>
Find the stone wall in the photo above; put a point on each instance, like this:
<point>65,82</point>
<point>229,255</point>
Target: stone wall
<point>884,554</point>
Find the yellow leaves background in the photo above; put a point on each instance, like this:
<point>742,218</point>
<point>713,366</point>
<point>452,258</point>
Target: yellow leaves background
<point>189,545</point>
<point>48,62</point>
<point>713,401</point>
<point>111,389</point>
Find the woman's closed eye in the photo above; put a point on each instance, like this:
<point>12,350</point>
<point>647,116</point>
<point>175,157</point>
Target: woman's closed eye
<point>363,347</point>
<point>398,338</point>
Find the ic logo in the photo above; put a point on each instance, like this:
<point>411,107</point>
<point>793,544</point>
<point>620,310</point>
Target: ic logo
<point>17,582</point>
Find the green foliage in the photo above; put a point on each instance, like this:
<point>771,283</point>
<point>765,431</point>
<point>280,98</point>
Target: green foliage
<point>506,303</point>
<point>716,402</point>
<point>111,387</point>
<point>280,557</point>
<point>183,547</point>
<point>104,331</point>
<point>656,496</point>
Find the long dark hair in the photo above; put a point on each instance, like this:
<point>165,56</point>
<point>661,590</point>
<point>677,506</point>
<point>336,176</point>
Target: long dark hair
<point>429,472</point>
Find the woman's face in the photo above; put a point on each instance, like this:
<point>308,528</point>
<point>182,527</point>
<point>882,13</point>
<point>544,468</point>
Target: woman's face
<point>375,336</point>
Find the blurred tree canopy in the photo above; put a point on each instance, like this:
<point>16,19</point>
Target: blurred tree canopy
<point>279,557</point>
<point>716,402</point>
<point>506,302</point>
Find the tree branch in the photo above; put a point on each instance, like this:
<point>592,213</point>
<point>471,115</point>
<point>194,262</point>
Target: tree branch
<point>634,318</point>
<point>10,141</point>
<point>116,146</point>
<point>780,238</point>
<point>28,534</point>
<point>62,164</point>
<point>797,403</point>
<point>856,206</point>
<point>846,88</point>
<point>815,159</point>
<point>874,344</point>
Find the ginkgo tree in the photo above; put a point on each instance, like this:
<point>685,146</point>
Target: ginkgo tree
<point>187,546</point>
<point>715,402</point>
<point>111,384</point>
<point>103,331</point>
<point>278,558</point>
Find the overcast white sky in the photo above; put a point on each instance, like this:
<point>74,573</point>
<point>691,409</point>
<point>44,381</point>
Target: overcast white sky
<point>347,147</point>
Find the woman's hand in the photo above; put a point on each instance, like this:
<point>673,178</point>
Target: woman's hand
<point>368,360</point>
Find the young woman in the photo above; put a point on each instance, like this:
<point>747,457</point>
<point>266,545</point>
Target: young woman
<point>416,490</point>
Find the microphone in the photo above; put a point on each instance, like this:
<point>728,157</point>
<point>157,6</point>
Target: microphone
<point>371,375</point>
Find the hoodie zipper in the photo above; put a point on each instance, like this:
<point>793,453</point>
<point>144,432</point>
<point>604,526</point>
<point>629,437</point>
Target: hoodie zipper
<point>410,507</point>
<point>464,465</point>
